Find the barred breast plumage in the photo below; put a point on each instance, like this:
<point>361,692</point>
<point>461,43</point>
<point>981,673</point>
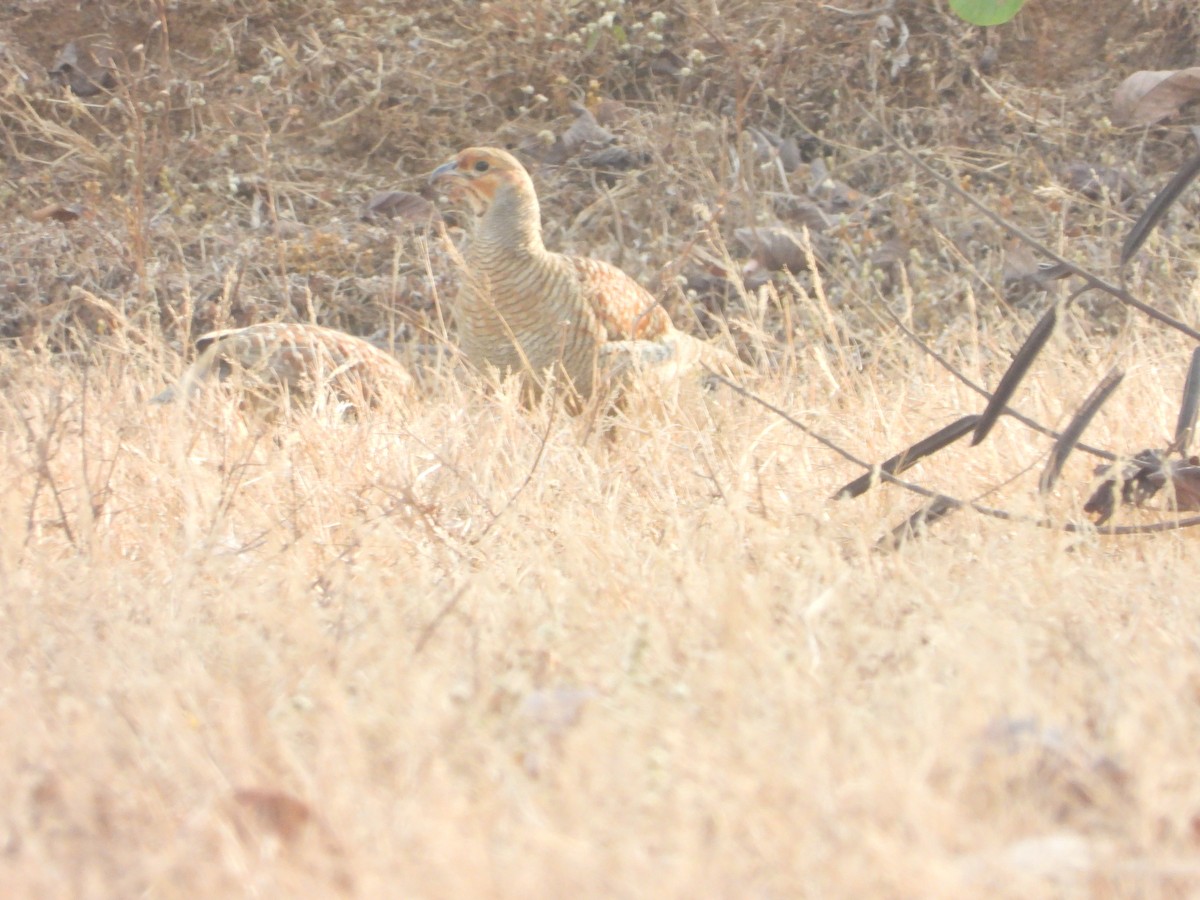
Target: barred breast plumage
<point>524,309</point>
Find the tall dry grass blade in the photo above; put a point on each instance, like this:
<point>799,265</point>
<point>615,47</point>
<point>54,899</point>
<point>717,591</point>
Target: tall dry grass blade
<point>1073,431</point>
<point>1016,372</point>
<point>1185,425</point>
<point>905,459</point>
<point>1158,208</point>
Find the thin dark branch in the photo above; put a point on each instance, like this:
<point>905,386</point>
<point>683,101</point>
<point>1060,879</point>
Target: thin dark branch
<point>1152,528</point>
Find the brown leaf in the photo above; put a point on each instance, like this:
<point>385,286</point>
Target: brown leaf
<point>1186,478</point>
<point>1143,477</point>
<point>768,145</point>
<point>585,131</point>
<point>87,70</point>
<point>774,247</point>
<point>1145,98</point>
<point>404,205</point>
<point>906,459</point>
<point>614,159</point>
<point>1094,182</point>
<point>1075,428</point>
<point>58,212</point>
<point>612,112</point>
<point>584,135</point>
<point>801,211</point>
<point>889,253</point>
<point>543,147</point>
<point>1011,379</point>
<point>667,62</point>
<point>834,195</point>
<point>1158,207</point>
<point>274,811</point>
<point>1189,405</point>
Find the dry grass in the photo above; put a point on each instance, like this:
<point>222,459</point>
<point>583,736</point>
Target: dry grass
<point>462,648</point>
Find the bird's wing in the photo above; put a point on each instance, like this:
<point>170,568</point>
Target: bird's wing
<point>625,309</point>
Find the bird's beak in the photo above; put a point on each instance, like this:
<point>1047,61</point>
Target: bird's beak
<point>445,170</point>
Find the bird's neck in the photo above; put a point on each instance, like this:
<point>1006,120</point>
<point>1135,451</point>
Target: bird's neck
<point>513,221</point>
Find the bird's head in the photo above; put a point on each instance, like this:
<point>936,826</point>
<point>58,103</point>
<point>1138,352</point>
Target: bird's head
<point>481,176</point>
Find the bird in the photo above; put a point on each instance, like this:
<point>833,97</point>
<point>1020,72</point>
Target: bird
<point>525,309</point>
<point>271,359</point>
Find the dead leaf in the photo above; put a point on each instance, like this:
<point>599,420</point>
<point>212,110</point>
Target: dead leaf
<point>774,247</point>
<point>555,709</point>
<point>1094,182</point>
<point>404,205</point>
<point>584,135</point>
<point>614,159</point>
<point>1143,477</point>
<point>58,212</point>
<point>802,212</point>
<point>612,112</point>
<point>834,195</point>
<point>585,132</point>
<point>768,146</point>
<point>86,70</point>
<point>274,812</point>
<point>667,62</point>
<point>1145,98</point>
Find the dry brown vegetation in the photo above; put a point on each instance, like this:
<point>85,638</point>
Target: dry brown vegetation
<point>463,648</point>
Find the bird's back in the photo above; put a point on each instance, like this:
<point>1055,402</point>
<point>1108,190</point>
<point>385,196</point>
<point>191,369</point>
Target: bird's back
<point>297,358</point>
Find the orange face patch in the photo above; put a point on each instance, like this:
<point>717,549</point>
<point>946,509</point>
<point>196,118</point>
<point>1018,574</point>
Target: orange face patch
<point>474,175</point>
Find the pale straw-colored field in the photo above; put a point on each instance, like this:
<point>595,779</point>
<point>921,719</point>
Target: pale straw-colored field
<point>465,649</point>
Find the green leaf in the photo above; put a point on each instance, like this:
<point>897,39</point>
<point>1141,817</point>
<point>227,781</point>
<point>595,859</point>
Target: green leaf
<point>986,12</point>
<point>620,35</point>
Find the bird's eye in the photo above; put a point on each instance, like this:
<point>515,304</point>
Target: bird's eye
<point>481,166</point>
